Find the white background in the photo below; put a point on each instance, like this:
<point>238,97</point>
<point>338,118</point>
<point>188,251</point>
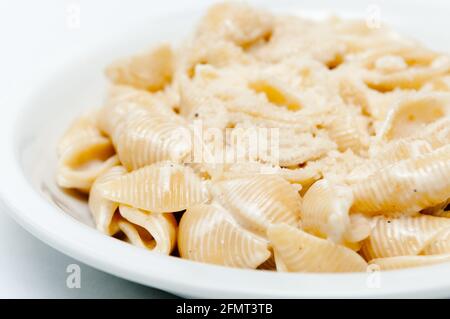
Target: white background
<point>28,268</point>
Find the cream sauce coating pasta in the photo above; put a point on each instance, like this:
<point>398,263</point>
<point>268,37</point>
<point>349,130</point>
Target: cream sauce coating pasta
<point>277,142</point>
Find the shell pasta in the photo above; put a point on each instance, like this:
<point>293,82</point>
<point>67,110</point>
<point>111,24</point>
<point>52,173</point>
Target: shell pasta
<point>274,143</point>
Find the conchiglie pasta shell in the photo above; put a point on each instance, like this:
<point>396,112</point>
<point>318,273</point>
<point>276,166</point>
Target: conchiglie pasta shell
<point>325,210</point>
<point>304,176</point>
<point>197,104</point>
<point>398,56</point>
<point>238,23</point>
<point>358,230</point>
<point>256,202</point>
<point>439,84</point>
<point>152,231</point>
<point>150,71</point>
<point>407,79</point>
<point>439,244</point>
<point>277,93</point>
<point>402,236</point>
<point>279,263</point>
<point>437,133</point>
<point>349,132</point>
<point>81,177</point>
<point>146,138</point>
<point>432,136</point>
<point>400,262</point>
<point>208,234</point>
<point>84,154</point>
<point>121,100</point>
<point>102,209</point>
<point>297,38</point>
<point>410,77</point>
<point>200,54</point>
<point>354,93</point>
<point>414,113</point>
<point>390,154</point>
<point>301,252</point>
<point>82,129</point>
<point>407,187</point>
<point>160,187</point>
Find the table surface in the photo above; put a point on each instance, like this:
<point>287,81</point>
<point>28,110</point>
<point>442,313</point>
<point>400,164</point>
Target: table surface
<point>31,269</point>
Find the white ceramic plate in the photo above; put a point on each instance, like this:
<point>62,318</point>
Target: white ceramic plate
<point>29,131</point>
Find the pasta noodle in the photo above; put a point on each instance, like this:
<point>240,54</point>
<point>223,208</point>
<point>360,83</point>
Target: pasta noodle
<point>349,132</point>
<point>157,188</point>
<point>402,236</point>
<point>102,209</point>
<point>259,201</point>
<point>150,71</point>
<point>300,251</point>
<point>277,143</point>
<point>145,138</point>
<point>84,154</point>
<point>121,100</point>
<point>325,210</point>
<point>209,234</point>
<point>439,244</point>
<point>399,75</point>
<point>239,24</point>
<point>413,114</point>
<point>149,230</point>
<point>406,187</point>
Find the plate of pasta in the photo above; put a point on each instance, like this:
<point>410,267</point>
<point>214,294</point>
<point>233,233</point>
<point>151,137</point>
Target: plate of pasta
<point>264,153</point>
